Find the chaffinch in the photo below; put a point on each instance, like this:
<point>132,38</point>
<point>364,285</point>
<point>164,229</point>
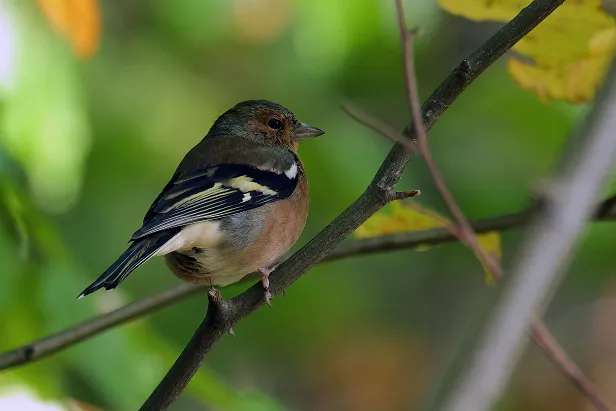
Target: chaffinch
<point>236,204</point>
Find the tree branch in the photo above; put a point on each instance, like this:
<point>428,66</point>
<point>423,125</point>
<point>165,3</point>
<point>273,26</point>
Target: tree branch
<point>378,193</point>
<point>462,229</point>
<point>546,251</point>
<point>36,350</point>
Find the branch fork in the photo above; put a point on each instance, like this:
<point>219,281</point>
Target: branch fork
<point>219,311</point>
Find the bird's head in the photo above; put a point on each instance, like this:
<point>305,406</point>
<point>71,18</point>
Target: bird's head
<point>265,122</point>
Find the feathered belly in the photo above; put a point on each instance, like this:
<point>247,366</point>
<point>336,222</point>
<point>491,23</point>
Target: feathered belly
<point>223,265</point>
<point>206,266</point>
<point>200,254</point>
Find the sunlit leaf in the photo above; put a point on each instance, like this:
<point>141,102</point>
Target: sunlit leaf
<point>400,218</point>
<point>576,81</point>
<point>569,52</point>
<point>77,20</point>
<point>491,245</point>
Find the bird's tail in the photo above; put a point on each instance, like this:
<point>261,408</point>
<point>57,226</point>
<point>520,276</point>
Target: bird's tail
<point>138,253</point>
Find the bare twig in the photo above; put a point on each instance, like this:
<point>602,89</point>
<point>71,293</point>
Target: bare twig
<point>547,250</point>
<point>465,233</point>
<point>364,118</point>
<point>542,337</point>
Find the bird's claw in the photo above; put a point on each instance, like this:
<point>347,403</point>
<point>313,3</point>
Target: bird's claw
<point>264,273</point>
<point>268,298</point>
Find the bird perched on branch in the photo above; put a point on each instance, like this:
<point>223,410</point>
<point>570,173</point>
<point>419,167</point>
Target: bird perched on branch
<point>236,204</point>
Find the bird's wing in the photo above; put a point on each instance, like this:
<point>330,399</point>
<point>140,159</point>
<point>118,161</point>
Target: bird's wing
<point>215,192</point>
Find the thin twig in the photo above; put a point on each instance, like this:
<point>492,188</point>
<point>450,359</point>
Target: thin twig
<point>544,254</point>
<point>467,236</point>
<point>542,337</point>
<point>364,118</point>
<point>464,230</point>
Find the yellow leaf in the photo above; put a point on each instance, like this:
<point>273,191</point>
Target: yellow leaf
<point>570,51</point>
<point>77,20</point>
<point>491,245</point>
<point>400,218</point>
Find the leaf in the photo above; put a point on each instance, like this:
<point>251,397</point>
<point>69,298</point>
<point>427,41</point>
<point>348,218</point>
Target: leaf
<point>77,20</point>
<point>412,218</point>
<point>403,219</point>
<point>491,245</point>
<point>569,52</point>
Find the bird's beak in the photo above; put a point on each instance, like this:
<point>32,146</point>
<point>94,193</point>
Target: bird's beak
<point>304,131</point>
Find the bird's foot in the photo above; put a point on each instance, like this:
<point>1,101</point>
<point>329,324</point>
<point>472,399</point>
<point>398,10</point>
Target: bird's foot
<point>214,295</point>
<point>264,274</point>
<point>213,291</point>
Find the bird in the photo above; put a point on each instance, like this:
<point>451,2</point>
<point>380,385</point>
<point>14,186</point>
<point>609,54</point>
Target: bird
<point>236,203</point>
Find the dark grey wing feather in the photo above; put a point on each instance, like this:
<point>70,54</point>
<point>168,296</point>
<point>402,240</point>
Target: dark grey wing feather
<point>214,192</point>
<point>137,253</point>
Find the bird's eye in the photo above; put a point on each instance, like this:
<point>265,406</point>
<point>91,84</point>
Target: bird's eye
<point>275,124</point>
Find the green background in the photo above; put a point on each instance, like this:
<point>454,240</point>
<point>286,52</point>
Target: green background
<point>85,146</point>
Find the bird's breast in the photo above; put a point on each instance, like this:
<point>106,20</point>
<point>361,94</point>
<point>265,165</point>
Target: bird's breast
<point>284,224</point>
<point>222,252</point>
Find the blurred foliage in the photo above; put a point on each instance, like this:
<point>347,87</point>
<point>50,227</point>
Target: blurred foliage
<point>44,116</point>
<point>571,51</point>
<point>91,129</point>
<point>77,20</point>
